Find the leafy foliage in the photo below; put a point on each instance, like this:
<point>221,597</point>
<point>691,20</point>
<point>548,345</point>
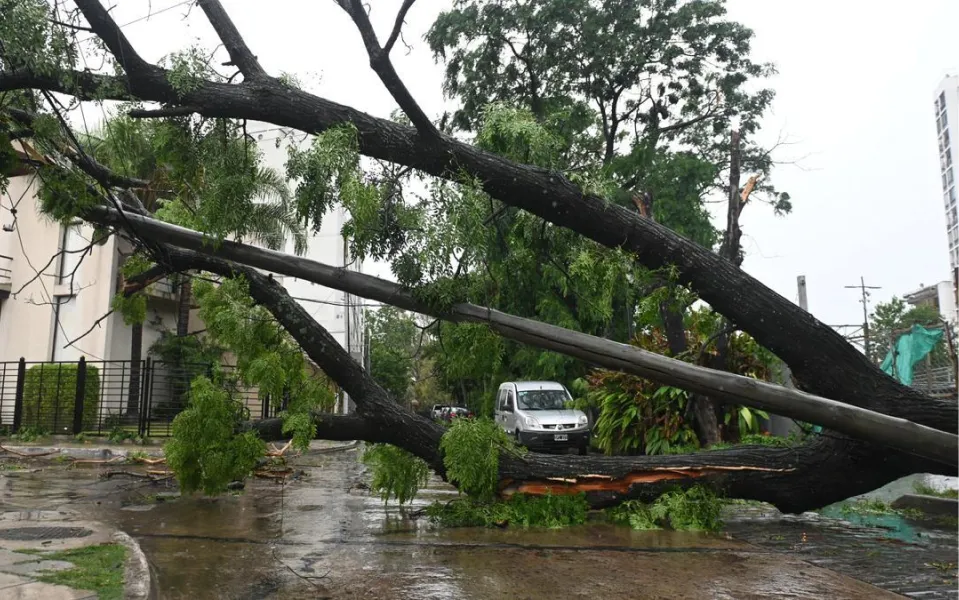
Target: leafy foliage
<point>205,452</point>
<point>519,509</point>
<point>393,349</point>
<point>637,415</point>
<point>396,473</point>
<point>694,509</point>
<point>471,450</point>
<point>266,355</point>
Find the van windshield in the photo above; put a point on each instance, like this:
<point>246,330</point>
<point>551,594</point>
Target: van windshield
<point>543,400</point>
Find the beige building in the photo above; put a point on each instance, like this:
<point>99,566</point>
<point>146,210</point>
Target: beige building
<point>54,307</point>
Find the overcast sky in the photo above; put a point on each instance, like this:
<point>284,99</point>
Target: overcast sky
<point>854,97</point>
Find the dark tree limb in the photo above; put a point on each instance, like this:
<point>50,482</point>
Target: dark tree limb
<point>398,25</point>
<point>340,428</point>
<point>383,66</point>
<point>240,53</point>
<point>727,387</point>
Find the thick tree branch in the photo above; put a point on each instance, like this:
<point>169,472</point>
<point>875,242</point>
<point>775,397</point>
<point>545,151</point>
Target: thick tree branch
<point>115,40</point>
<point>938,445</point>
<point>383,66</point>
<point>398,25</point>
<point>80,84</point>
<point>239,52</point>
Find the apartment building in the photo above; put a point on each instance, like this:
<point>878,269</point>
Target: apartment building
<point>940,296</point>
<point>56,308</point>
<point>947,120</point>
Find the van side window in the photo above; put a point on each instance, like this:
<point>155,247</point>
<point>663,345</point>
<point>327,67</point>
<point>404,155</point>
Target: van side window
<point>510,401</point>
<point>501,401</point>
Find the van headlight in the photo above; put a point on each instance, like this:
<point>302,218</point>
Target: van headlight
<point>582,420</point>
<point>532,423</point>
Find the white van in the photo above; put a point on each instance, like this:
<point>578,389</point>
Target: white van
<point>536,414</point>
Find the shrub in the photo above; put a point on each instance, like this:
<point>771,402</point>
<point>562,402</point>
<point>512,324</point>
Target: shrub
<point>49,395</point>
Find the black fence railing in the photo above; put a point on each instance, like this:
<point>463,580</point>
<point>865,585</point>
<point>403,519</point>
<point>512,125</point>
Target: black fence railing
<point>98,397</point>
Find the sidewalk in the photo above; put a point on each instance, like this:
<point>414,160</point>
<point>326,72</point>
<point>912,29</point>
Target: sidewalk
<point>33,545</point>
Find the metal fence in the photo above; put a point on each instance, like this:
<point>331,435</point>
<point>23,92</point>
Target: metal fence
<point>98,397</point>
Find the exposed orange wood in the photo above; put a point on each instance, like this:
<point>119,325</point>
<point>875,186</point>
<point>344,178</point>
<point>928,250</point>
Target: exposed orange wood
<point>604,483</point>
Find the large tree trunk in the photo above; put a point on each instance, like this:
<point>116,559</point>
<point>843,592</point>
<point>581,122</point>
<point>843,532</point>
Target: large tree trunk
<point>828,469</point>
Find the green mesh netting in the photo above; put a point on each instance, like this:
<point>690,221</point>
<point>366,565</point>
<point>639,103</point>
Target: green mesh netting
<point>909,349</point>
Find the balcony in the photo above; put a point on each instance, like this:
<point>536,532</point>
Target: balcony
<point>6,276</point>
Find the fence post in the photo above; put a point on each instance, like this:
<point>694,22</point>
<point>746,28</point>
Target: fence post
<point>145,389</point>
<point>18,399</point>
<point>80,397</point>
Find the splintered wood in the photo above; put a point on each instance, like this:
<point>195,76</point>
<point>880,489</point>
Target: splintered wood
<point>606,483</point>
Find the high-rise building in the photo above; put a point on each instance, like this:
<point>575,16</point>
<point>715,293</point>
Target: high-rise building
<point>947,128</point>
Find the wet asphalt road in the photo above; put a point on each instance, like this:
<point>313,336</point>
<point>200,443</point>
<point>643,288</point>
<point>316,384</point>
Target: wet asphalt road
<point>322,535</point>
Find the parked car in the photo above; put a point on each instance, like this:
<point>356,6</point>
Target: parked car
<point>459,411</point>
<point>438,410</point>
<point>537,414</point>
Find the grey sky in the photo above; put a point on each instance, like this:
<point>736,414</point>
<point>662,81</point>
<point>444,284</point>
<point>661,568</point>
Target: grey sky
<point>854,98</point>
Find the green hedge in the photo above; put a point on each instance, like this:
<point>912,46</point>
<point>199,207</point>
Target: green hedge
<point>49,393</point>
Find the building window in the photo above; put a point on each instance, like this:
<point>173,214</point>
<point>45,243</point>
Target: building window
<point>63,309</point>
<point>71,244</point>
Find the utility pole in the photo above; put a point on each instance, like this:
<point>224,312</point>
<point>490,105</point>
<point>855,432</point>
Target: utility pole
<point>803,300</point>
<point>865,308</point>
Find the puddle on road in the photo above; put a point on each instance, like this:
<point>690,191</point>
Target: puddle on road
<point>326,537</point>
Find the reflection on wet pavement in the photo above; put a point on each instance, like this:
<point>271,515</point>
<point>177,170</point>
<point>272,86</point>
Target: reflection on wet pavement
<point>324,536</point>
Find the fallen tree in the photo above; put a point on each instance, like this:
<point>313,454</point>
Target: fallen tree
<point>819,357</point>
<point>829,468</point>
<point>864,424</point>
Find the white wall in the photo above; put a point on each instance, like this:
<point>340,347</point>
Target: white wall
<point>27,319</point>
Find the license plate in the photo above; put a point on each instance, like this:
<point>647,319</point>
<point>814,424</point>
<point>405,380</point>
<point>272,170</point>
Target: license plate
<point>560,437</point>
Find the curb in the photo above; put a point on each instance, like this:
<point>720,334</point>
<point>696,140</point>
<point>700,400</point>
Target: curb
<point>138,584</point>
